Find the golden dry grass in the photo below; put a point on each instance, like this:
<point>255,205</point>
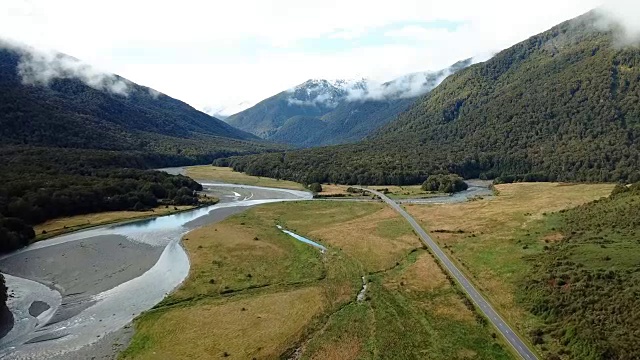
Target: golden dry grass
<point>466,354</point>
<point>328,189</point>
<point>244,251</point>
<point>425,276</point>
<point>345,349</point>
<point>215,252</point>
<point>202,320</point>
<point>553,237</point>
<point>260,327</point>
<point>449,307</point>
<point>507,211</point>
<point>488,248</point>
<point>363,239</point>
<point>227,175</point>
<point>72,223</point>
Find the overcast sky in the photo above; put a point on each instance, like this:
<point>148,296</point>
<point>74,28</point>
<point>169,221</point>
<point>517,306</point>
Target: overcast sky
<point>218,53</point>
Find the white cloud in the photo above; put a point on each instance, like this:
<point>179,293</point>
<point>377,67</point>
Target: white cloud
<point>40,67</point>
<point>416,32</point>
<point>197,51</point>
<point>625,13</point>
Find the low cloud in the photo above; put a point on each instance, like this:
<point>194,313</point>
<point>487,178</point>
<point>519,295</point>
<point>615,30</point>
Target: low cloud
<point>408,86</point>
<point>39,67</point>
<point>154,93</point>
<point>622,16</point>
<point>327,100</point>
<point>332,93</point>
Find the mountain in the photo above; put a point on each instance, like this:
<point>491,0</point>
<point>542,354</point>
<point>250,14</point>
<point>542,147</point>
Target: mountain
<point>223,112</point>
<point>74,140</point>
<point>313,98</point>
<point>561,105</point>
<point>80,108</point>
<point>322,112</point>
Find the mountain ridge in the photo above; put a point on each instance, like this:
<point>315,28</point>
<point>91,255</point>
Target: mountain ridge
<point>561,105</point>
<point>350,109</point>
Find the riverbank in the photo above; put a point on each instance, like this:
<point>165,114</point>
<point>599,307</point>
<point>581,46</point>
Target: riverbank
<point>70,224</point>
<point>94,282</point>
<point>227,175</point>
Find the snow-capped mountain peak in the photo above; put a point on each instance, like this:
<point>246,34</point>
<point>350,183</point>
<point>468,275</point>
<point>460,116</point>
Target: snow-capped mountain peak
<point>223,112</point>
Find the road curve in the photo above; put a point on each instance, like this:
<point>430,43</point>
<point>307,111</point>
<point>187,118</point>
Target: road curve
<point>512,338</point>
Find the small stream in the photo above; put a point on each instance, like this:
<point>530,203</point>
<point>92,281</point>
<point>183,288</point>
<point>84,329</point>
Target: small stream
<point>363,291</point>
<point>302,238</point>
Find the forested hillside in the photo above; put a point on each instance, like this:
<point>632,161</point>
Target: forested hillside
<point>347,123</point>
<point>586,287</point>
<point>69,113</point>
<point>319,112</point>
<point>562,105</point>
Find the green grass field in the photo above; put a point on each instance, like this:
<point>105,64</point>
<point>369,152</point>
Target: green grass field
<point>254,292</point>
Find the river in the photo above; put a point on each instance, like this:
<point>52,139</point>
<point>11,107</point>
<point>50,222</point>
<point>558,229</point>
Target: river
<point>70,291</point>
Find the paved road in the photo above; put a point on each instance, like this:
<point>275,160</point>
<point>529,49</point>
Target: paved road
<point>493,316</point>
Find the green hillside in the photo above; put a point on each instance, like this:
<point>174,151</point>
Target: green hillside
<point>562,105</point>
<point>586,287</point>
<point>69,113</point>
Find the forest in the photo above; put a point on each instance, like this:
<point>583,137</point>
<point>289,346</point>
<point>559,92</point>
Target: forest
<point>563,105</point>
<point>42,184</point>
<point>586,288</point>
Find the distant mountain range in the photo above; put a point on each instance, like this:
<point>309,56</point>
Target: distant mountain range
<point>561,105</point>
<point>324,112</point>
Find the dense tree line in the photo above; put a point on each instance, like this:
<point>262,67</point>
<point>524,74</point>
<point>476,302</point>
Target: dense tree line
<point>563,105</point>
<point>444,183</point>
<point>587,287</point>
<point>38,185</point>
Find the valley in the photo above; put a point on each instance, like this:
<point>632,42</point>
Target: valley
<point>416,208</point>
<point>262,268</point>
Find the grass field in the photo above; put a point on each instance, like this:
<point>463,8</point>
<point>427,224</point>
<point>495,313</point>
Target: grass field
<point>72,223</point>
<point>254,292</point>
<point>227,175</point>
<point>412,312</point>
<point>492,238</point>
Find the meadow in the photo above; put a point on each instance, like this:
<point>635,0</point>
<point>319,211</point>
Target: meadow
<point>255,292</point>
<point>499,243</point>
